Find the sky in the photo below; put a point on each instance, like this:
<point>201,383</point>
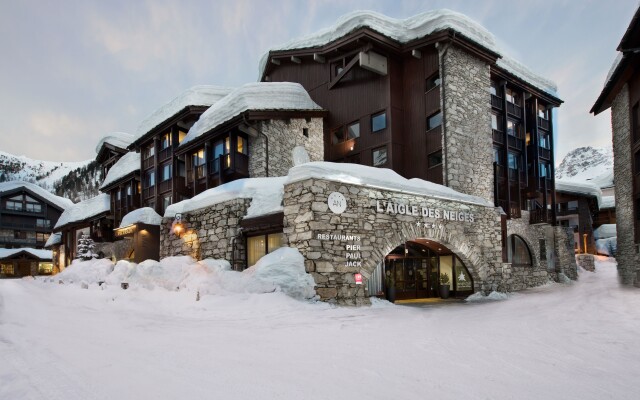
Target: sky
<point>73,71</point>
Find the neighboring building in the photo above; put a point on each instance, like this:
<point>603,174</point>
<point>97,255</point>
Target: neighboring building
<point>621,93</point>
<point>110,148</point>
<point>15,263</point>
<point>122,183</point>
<point>28,214</point>
<point>578,205</point>
<point>163,175</point>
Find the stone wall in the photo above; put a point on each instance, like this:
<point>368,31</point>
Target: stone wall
<point>283,136</point>
<point>586,261</point>
<point>308,221</point>
<point>208,233</point>
<point>118,250</point>
<point>627,256</point>
<point>467,138</point>
<point>565,252</point>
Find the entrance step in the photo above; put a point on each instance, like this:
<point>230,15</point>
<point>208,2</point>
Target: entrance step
<point>431,300</point>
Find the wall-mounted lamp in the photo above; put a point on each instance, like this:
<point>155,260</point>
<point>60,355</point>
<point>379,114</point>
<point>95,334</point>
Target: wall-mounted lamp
<point>177,227</point>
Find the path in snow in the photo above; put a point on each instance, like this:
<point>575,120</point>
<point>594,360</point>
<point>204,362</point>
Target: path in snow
<point>554,342</point>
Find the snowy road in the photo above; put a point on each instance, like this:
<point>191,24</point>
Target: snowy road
<point>555,342</point>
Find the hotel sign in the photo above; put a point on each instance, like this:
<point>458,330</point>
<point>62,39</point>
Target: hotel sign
<point>125,231</point>
<point>393,208</point>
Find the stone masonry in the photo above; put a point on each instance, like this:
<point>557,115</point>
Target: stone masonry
<point>467,146</point>
<point>283,136</point>
<point>209,233</point>
<point>308,219</point>
<point>627,256</point>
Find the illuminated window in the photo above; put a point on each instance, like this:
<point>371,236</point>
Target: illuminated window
<point>242,145</point>
<point>259,246</point>
<point>165,141</point>
<point>198,158</point>
<point>181,136</point>
<point>6,269</point>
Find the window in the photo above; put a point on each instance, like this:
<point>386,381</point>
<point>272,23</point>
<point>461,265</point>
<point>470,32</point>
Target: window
<point>543,112</point>
<point>165,172</point>
<point>544,170</point>
<point>148,152</point>
<point>34,207</point>
<point>241,145</point>
<point>378,122</point>
<point>572,205</point>
<point>42,237</point>
<point>379,156</point>
<point>259,246</point>
<point>19,235</point>
<point>513,129</point>
<point>129,190</point>
<point>353,131</point>
<point>494,88</point>
<point>496,124</point>
<point>165,141</point>
<point>433,81</point>
<point>337,136</point>
<point>434,121</point>
<point>543,141</point>
<point>518,252</point>
<point>337,68</point>
<point>497,156</point>
<point>198,158</point>
<point>150,179</point>
<point>14,205</point>
<point>181,136</point>
<point>42,223</point>
<point>513,97</point>
<point>434,159</point>
<point>6,269</point>
<point>166,202</point>
<point>118,195</point>
<point>514,161</point>
<point>305,132</point>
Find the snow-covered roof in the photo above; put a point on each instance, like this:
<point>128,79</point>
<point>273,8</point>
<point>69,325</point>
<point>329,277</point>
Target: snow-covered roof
<point>202,95</point>
<point>266,195</point>
<point>41,254</point>
<point>146,215</point>
<point>54,238</point>
<point>379,178</point>
<point>251,97</point>
<point>126,165</point>
<point>117,139</point>
<point>84,210</point>
<point>412,28</point>
<point>608,202</point>
<point>570,186</point>
<point>50,197</point>
<point>605,231</point>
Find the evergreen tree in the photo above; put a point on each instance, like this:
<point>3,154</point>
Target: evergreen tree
<point>86,248</point>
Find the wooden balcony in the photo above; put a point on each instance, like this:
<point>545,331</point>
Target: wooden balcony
<point>513,174</point>
<point>543,123</point>
<point>432,101</point>
<point>498,137</point>
<point>148,163</point>
<point>540,216</point>
<point>514,110</point>
<point>523,178</point>
<point>496,102</point>
<point>515,143</point>
<point>164,186</point>
<point>165,154</point>
<point>149,192</point>
<point>500,172</point>
<point>544,153</point>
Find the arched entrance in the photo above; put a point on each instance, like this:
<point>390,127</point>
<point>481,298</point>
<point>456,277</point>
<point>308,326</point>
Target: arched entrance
<point>416,268</point>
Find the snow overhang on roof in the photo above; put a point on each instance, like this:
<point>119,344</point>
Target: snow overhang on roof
<point>581,188</point>
<point>261,96</point>
<point>145,215</point>
<point>37,253</point>
<point>413,28</point>
<point>54,238</point>
<point>126,165</point>
<point>84,210</point>
<point>202,95</point>
<point>60,202</point>
<point>117,139</point>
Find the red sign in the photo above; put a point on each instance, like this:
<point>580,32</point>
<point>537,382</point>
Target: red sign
<point>358,278</point>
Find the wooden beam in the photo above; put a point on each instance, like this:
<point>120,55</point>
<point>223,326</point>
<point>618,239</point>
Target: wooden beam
<point>318,58</point>
<point>296,60</point>
<point>344,71</point>
<point>275,61</point>
<point>416,54</point>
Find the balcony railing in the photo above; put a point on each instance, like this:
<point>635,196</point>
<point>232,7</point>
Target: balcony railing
<point>498,136</point>
<point>543,123</point>
<point>513,174</point>
<point>523,178</point>
<point>544,153</point>
<point>148,163</point>
<point>515,142</point>
<point>496,102</point>
<point>540,216</point>
<point>165,154</point>
<point>164,186</point>
<point>514,110</point>
<point>149,192</point>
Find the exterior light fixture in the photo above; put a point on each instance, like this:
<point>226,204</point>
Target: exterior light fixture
<point>584,240</point>
<point>177,226</point>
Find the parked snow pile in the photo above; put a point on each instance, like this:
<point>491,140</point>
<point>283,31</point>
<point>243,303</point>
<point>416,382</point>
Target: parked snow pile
<point>493,296</point>
<point>280,271</point>
<point>606,240</point>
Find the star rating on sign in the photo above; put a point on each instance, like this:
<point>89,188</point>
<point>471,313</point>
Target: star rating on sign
<point>425,224</point>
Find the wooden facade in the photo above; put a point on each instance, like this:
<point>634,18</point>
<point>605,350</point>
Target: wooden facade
<point>108,155</point>
<point>26,219</point>
<point>409,137</point>
<point>125,196</point>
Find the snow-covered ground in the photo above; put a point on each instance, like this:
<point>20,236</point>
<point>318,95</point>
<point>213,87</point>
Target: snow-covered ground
<point>554,342</point>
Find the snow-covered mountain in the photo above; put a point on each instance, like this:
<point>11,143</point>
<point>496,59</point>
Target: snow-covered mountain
<point>73,180</point>
<point>588,164</point>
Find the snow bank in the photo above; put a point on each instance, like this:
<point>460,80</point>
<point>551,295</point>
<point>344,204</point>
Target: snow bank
<point>48,196</point>
<point>266,195</point>
<point>127,164</point>
<point>252,96</point>
<point>55,238</point>
<point>117,139</point>
<point>378,178</point>
<point>605,231</point>
<point>146,215</point>
<point>493,296</point>
<point>84,210</point>
<point>607,247</point>
<point>202,95</point>
<point>413,28</point>
<point>282,270</point>
<point>41,254</point>
<point>574,186</point>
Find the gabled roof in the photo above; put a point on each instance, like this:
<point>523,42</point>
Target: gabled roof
<point>125,166</point>
<point>261,96</point>
<point>119,140</point>
<point>84,211</point>
<point>58,202</point>
<point>202,95</point>
<point>37,253</point>
<point>623,66</point>
<point>406,31</point>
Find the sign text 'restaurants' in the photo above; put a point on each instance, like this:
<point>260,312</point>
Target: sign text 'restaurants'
<point>390,207</point>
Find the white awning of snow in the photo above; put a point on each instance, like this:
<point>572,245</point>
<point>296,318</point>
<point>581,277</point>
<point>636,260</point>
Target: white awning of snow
<point>118,139</point>
<point>126,165</point>
<point>84,210</point>
<point>146,215</point>
<point>55,238</point>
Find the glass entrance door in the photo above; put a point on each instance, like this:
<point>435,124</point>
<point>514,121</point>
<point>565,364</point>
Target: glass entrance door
<point>410,276</point>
